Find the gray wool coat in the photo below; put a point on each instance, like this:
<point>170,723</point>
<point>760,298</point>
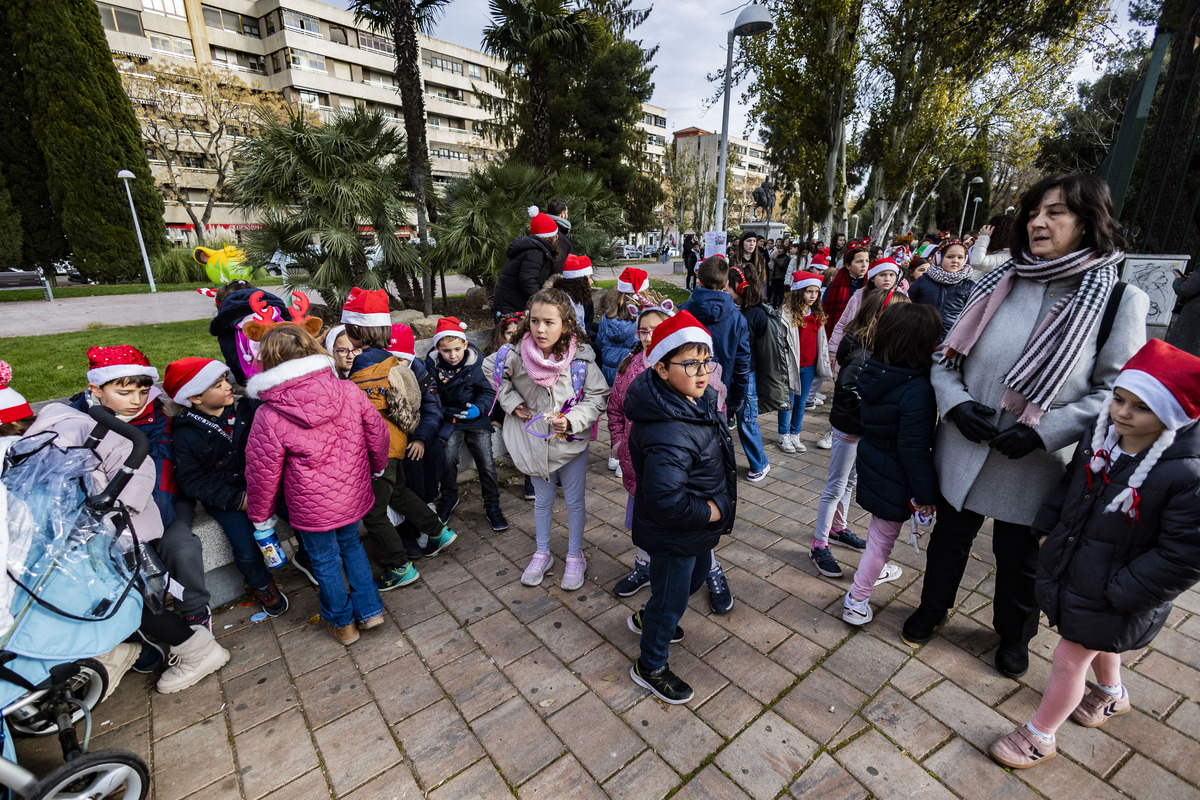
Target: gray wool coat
<point>1185,333</point>
<point>977,478</point>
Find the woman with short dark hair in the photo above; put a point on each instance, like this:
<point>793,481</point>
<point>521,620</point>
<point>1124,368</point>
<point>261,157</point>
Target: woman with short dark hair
<point>1022,373</point>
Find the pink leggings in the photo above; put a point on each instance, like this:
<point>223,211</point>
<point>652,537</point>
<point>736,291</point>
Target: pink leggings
<point>881,537</point>
<point>1066,686</point>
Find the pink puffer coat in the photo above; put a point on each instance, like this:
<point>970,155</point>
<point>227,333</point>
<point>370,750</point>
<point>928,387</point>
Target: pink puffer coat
<point>618,424</point>
<point>318,439</point>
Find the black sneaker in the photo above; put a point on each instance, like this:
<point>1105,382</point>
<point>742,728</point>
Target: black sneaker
<point>529,493</point>
<point>635,625</point>
<point>636,580</point>
<point>301,562</point>
<point>273,601</point>
<point>921,625</point>
<point>824,561</point>
<point>720,599</point>
<point>496,517</point>
<point>662,683</point>
<point>445,507</point>
<point>847,538</point>
<point>151,657</point>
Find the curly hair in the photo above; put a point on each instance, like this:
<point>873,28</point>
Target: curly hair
<point>571,329</point>
<point>795,307</point>
<point>578,289</point>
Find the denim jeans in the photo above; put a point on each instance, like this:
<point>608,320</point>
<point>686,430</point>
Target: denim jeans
<point>479,442</point>
<point>789,421</point>
<point>748,430</point>
<point>239,530</point>
<point>331,552</point>
<point>573,476</point>
<point>839,485</point>
<point>673,579</point>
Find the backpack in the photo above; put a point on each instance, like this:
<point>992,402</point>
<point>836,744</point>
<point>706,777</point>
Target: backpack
<point>247,348</point>
<point>578,378</point>
<point>771,370</point>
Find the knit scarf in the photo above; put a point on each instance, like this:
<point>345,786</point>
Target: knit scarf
<point>542,370</point>
<point>939,275</point>
<point>1057,342</point>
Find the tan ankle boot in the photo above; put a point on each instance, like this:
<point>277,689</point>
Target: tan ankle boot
<point>345,634</point>
<point>192,661</point>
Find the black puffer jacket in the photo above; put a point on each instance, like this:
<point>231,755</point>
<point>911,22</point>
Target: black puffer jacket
<point>948,300</point>
<point>224,325</point>
<point>845,412</point>
<point>1106,581</point>
<point>530,264</point>
<point>460,387</point>
<point>683,456</point>
<point>210,454</point>
<point>895,454</point>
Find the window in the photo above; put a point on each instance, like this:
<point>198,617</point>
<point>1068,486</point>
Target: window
<point>648,119</point>
<point>453,124</point>
<point>172,8</point>
<point>474,71</point>
<point>120,20</point>
<point>171,45</point>
<point>193,161</point>
<point>228,20</point>
<point>446,152</point>
<point>257,65</point>
<point>311,98</point>
<point>270,24</point>
<point>305,23</point>
<point>302,59</point>
<point>660,122</point>
<point>276,65</point>
<point>220,55</point>
<point>755,153</point>
<point>378,79</point>
<point>337,35</point>
<point>444,92</point>
<point>445,65</point>
<point>376,44</point>
<point>740,149</point>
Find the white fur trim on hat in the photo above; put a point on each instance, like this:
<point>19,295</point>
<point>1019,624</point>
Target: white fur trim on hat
<point>578,272</point>
<point>460,334</point>
<point>102,375</point>
<point>332,336</point>
<point>879,269</point>
<point>380,319</point>
<point>799,286</point>
<point>690,334</point>
<point>1154,394</point>
<point>209,374</point>
<point>288,370</point>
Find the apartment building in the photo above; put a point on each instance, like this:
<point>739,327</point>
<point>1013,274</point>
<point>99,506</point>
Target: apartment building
<point>654,125</point>
<point>705,147</point>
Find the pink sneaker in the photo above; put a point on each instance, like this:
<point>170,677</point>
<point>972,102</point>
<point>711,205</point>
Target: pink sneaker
<point>536,570</point>
<point>573,575</point>
<point>1097,706</point>
<point>1021,749</point>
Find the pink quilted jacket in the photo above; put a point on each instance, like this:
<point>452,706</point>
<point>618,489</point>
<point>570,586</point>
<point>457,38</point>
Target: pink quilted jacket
<point>318,439</point>
<point>618,424</point>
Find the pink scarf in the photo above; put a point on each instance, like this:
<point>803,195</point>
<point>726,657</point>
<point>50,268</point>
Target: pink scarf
<point>542,370</point>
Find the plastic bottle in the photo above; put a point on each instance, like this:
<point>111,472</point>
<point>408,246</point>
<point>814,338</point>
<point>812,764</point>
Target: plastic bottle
<point>272,550</point>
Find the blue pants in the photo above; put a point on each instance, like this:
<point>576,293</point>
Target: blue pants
<point>673,579</point>
<point>748,430</point>
<point>239,530</point>
<point>479,442</point>
<point>331,552</point>
<point>789,421</point>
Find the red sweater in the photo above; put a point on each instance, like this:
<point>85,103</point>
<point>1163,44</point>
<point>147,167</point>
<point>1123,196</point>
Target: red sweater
<point>808,330</point>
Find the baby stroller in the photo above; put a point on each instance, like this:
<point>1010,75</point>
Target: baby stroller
<point>70,592</point>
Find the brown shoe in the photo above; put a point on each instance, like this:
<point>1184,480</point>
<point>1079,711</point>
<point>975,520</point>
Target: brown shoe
<point>1021,749</point>
<point>1098,705</point>
<point>373,622</point>
<point>345,634</point>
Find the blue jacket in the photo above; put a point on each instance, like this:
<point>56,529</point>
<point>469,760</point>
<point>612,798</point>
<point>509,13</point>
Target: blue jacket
<point>615,340</point>
<point>948,300</point>
<point>460,387</point>
<point>682,454</point>
<point>895,453</point>
<point>211,466</point>
<point>717,312</point>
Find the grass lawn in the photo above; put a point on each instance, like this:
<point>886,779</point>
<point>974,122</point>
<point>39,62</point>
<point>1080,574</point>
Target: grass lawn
<point>55,366</point>
<point>665,288</point>
<point>100,290</point>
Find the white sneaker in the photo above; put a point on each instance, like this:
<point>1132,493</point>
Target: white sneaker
<point>613,464</point>
<point>785,443</point>
<point>192,661</point>
<point>536,571</point>
<point>620,474</point>
<point>890,572</point>
<point>797,444</point>
<point>857,612</point>
<point>826,441</point>
<point>117,662</point>
<point>821,397</point>
<point>755,477</point>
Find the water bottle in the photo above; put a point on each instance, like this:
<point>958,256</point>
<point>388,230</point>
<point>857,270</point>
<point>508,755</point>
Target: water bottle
<point>272,550</point>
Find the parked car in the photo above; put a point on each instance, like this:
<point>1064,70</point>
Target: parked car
<point>630,251</point>
<point>649,251</point>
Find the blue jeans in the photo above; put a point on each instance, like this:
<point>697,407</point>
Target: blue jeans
<point>789,421</point>
<point>239,530</point>
<point>748,430</point>
<point>330,552</point>
<point>673,579</point>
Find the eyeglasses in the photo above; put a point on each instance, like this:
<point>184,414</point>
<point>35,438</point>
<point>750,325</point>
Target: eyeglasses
<point>346,351</point>
<point>694,368</point>
<point>644,334</point>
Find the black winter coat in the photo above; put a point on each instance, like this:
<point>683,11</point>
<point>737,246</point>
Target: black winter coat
<point>895,454</point>
<point>210,454</point>
<point>683,456</point>
<point>756,324</point>
<point>948,300</point>
<point>431,405</point>
<point>459,387</point>
<point>845,412</point>
<point>531,262</point>
<point>1107,581</point>
<point>224,325</point>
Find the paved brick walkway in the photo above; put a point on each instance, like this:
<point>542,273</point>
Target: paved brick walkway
<point>479,687</point>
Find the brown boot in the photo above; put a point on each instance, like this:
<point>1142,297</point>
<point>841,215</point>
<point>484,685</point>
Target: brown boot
<point>345,634</point>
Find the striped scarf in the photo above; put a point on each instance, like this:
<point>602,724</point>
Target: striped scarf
<point>1054,349</point>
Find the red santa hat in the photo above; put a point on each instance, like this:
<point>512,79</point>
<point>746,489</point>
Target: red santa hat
<point>541,225</point>
<point>120,361</point>
<point>882,265</point>
<point>191,376</point>
<point>577,266</point>
<point>449,326</point>
<point>821,259</point>
<point>12,405</point>
<point>402,344</point>
<point>801,280</point>
<point>633,281</point>
<point>675,332</point>
<point>331,337</point>
<point>367,308</point>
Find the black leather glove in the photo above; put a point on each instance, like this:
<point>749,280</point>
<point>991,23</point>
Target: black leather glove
<point>972,420</point>
<point>1017,442</point>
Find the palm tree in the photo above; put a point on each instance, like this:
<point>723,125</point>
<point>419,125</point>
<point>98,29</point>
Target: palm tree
<point>401,19</point>
<point>316,187</point>
<point>531,35</point>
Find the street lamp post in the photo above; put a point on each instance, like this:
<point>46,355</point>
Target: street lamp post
<point>975,210</point>
<point>753,19</point>
<point>855,218</point>
<point>963,219</point>
<point>126,176</point>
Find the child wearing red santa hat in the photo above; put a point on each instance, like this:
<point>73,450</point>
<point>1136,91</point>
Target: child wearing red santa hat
<point>1119,543</point>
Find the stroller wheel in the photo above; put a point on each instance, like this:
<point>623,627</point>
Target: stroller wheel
<point>102,775</point>
<point>27,715</point>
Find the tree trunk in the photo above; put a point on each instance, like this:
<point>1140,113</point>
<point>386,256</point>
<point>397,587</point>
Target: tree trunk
<point>539,105</point>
